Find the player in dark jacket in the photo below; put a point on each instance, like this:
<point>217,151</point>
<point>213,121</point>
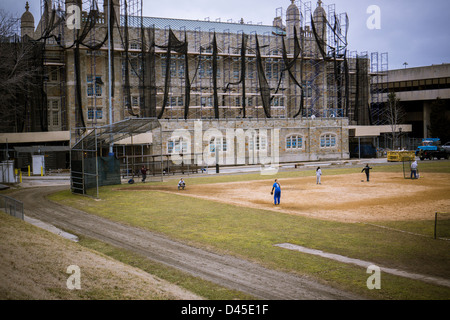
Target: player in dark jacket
<point>144,173</point>
<point>367,171</point>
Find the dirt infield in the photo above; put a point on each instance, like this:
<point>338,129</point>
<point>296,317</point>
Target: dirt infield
<point>349,198</point>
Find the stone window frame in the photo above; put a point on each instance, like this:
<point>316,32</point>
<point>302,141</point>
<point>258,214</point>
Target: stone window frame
<point>53,74</point>
<point>290,136</point>
<point>93,86</point>
<point>94,113</point>
<point>54,113</point>
<point>260,142</point>
<point>220,142</point>
<point>328,140</point>
<point>177,145</point>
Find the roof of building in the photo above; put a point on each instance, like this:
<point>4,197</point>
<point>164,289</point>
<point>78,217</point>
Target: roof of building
<point>27,18</point>
<point>203,26</point>
<point>319,12</point>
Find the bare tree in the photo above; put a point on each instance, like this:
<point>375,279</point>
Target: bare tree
<point>7,24</point>
<point>19,72</point>
<point>394,115</point>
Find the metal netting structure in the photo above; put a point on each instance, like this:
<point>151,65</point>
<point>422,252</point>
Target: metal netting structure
<point>91,164</point>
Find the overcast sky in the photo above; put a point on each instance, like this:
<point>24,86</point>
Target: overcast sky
<point>411,31</point>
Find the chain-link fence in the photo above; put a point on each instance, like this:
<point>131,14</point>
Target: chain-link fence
<point>11,206</point>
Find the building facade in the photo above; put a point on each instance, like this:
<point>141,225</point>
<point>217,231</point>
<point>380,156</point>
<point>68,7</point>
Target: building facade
<point>105,62</point>
<point>418,89</point>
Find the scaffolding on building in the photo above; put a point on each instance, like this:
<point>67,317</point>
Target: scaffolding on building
<point>183,70</point>
<point>378,88</point>
<point>204,73</point>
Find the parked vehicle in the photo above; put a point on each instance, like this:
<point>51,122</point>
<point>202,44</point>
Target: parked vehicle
<point>439,153</point>
<point>447,147</point>
<point>429,144</point>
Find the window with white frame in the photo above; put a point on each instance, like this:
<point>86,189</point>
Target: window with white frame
<point>218,143</point>
<point>94,88</point>
<point>294,142</point>
<point>177,145</point>
<point>308,92</point>
<point>328,140</point>
<point>251,68</point>
<point>258,140</point>
<point>135,101</point>
<point>173,101</point>
<point>135,67</point>
<point>95,113</point>
<point>135,46</point>
<point>53,74</point>
<point>278,101</point>
<point>99,113</point>
<point>54,114</point>
<point>236,68</point>
<point>206,101</point>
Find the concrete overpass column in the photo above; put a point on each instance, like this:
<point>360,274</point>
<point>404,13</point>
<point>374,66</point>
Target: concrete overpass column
<point>426,118</point>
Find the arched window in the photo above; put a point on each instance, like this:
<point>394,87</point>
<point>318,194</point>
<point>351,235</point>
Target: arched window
<point>219,143</point>
<point>328,140</point>
<point>177,145</point>
<point>294,142</point>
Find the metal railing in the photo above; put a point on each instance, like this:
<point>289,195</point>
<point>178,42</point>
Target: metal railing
<point>11,206</point>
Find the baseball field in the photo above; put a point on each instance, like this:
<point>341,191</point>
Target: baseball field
<point>388,221</point>
<point>342,197</point>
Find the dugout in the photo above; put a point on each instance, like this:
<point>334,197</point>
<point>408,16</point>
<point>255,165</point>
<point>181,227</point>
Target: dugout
<point>91,164</point>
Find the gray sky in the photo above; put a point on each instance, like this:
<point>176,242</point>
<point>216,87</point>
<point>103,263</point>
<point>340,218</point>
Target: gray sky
<point>412,31</point>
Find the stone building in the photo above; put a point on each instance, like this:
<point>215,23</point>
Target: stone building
<point>295,77</point>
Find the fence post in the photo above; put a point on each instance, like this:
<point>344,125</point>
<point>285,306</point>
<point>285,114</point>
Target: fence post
<point>435,223</point>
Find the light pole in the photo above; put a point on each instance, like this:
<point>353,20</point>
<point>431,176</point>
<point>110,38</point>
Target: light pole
<point>111,151</point>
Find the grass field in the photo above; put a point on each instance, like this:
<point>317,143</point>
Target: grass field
<point>392,227</point>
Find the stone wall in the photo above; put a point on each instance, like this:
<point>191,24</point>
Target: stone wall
<point>321,139</point>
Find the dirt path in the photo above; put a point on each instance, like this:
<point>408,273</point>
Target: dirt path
<point>225,270</point>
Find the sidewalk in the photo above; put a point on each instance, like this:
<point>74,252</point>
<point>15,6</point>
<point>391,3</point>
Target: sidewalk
<point>41,181</point>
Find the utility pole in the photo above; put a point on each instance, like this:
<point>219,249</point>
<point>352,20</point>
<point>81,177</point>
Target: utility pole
<point>111,151</point>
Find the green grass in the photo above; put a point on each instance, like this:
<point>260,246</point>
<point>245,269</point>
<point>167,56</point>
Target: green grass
<point>252,233</point>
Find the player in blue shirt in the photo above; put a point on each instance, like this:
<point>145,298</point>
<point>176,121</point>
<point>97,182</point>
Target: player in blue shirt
<point>277,195</point>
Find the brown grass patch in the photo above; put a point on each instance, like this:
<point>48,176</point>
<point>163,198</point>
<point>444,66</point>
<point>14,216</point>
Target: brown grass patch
<point>34,262</point>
